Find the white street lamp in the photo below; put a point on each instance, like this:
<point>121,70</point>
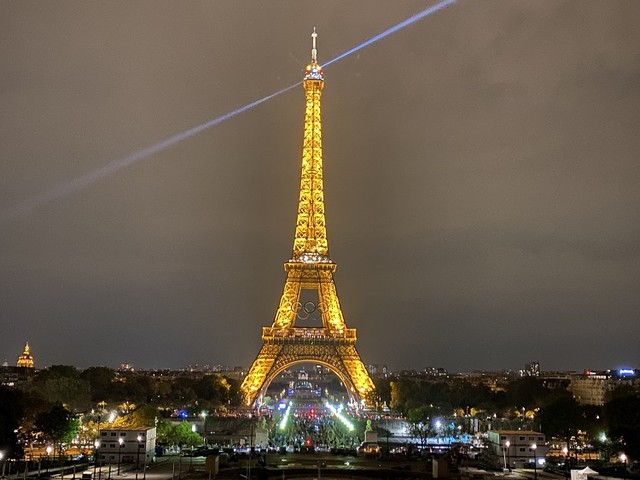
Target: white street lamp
<point>204,425</point>
<point>121,442</point>
<point>139,438</point>
<point>504,453</point>
<point>49,449</point>
<point>95,457</point>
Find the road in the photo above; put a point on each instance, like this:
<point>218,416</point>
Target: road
<point>289,466</point>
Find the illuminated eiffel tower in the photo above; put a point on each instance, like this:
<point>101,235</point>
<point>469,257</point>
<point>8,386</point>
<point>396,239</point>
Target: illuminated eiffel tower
<point>310,269</point>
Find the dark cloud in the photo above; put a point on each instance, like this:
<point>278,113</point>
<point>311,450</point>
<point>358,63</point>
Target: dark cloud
<point>481,179</point>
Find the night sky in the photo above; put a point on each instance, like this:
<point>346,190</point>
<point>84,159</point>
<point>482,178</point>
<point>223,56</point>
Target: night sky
<point>482,179</point>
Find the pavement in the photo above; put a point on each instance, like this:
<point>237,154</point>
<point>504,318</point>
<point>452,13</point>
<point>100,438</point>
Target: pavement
<point>290,466</point>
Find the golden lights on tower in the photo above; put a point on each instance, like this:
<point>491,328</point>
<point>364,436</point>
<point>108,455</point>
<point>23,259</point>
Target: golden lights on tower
<point>310,268</point>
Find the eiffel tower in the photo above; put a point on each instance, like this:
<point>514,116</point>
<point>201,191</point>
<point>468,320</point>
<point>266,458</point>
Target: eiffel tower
<point>310,269</point>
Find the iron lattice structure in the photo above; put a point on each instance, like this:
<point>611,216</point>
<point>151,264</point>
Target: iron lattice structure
<point>333,345</point>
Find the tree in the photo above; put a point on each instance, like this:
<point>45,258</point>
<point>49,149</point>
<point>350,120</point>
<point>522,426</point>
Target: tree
<point>101,381</point>
<point>527,393</point>
<point>140,388</point>
<point>622,416</point>
<point>235,394</point>
<point>182,392</point>
<point>421,419</point>
<point>10,415</point>
<point>58,425</point>
<point>32,405</point>
<point>213,389</point>
<point>463,394</point>
<point>562,418</point>
<point>181,434</point>
<point>383,390</point>
<point>404,394</point>
<point>62,384</point>
<point>596,428</point>
<point>144,416</point>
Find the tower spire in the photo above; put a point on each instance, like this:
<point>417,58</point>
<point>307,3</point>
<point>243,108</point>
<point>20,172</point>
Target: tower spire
<point>310,240</point>
<point>314,52</point>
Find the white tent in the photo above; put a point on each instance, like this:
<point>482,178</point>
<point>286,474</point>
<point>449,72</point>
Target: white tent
<point>582,474</point>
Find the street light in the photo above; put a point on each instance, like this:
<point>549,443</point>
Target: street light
<point>49,449</point>
<point>623,459</point>
<point>95,457</point>
<point>504,453</point>
<point>565,450</point>
<point>121,442</point>
<point>3,463</point>
<point>535,462</point>
<point>252,417</point>
<point>203,414</point>
<point>138,455</point>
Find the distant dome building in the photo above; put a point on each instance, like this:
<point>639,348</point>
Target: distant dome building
<point>25,359</point>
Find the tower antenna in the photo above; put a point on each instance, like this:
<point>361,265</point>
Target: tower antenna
<point>314,52</point>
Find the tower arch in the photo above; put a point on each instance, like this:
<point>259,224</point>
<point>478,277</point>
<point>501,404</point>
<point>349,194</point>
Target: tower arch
<point>337,371</point>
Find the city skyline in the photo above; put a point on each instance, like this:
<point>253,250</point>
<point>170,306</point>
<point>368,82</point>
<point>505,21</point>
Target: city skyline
<point>480,164</point>
<point>533,368</point>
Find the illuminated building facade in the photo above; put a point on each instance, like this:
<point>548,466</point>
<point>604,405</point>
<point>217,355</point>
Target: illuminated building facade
<point>517,448</point>
<point>25,359</point>
<point>591,387</point>
<point>309,270</point>
<point>532,369</point>
<point>127,446</point>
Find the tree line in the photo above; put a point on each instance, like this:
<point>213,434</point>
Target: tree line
<point>615,426</point>
<point>52,403</point>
